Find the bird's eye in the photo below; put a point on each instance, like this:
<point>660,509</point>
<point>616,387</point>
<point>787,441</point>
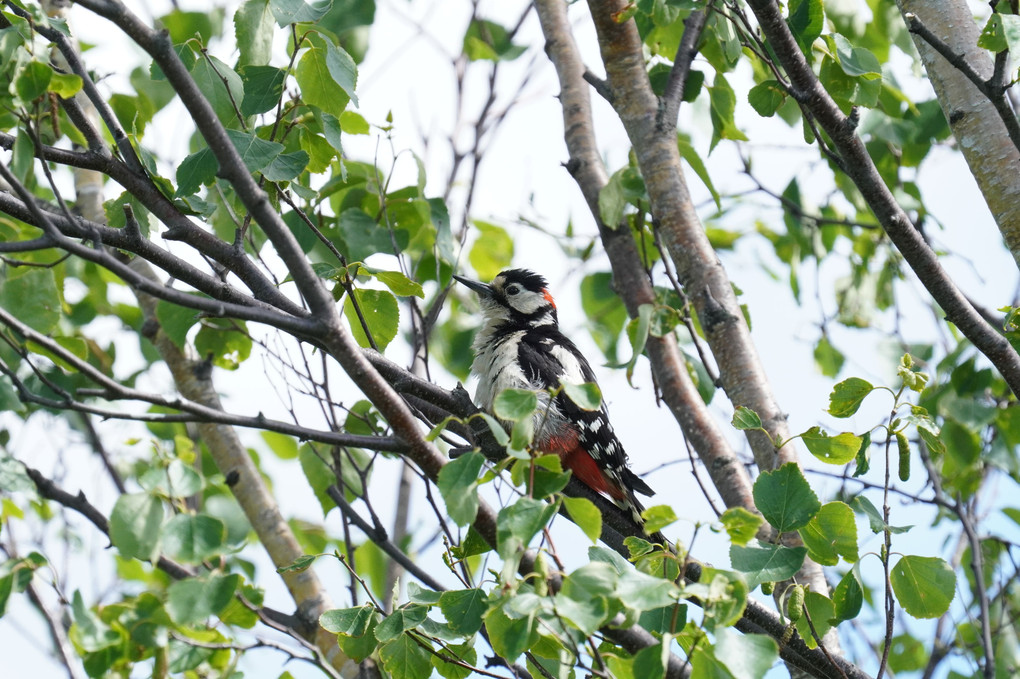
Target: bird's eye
<point>513,289</point>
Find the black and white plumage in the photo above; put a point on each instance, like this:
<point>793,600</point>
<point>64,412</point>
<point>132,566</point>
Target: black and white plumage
<point>520,346</point>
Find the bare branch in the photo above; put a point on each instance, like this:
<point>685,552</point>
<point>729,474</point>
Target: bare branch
<point>694,26</point>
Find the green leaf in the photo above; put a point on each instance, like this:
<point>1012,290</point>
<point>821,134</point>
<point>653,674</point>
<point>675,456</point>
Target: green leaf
<point>741,525</point>
<point>604,310</point>
<point>224,342</point>
<point>806,21</point>
<point>491,41</point>
<point>464,609</point>
<point>492,251</point>
<point>464,652</point>
<point>846,397</point>
<point>175,480</point>
<point>135,524</point>
<point>830,534</point>
<point>516,524</point>
<point>380,311</point>
<point>65,85</point>
<point>31,296</point>
<point>544,475</point>
<point>856,61</point>
<point>498,432</point>
<point>32,81</point>
<point>515,404</point>
<point>915,380</point>
<point>183,26</point>
<point>302,563</point>
<point>993,36</point>
<point>320,476</point>
<point>357,648</point>
<point>828,358</point>
<point>195,171</point>
<point>318,86</point>
<point>263,87</point>
<point>848,597</point>
<point>724,595</point>
<point>746,656</point>
<point>864,506</point>
<point>89,632</point>
<point>587,615</point>
<point>838,449</point>
<point>821,611</point>
<point>650,662</point>
<point>586,515</point>
<point>399,284</point>
<point>221,85</point>
<point>193,601</point>
<point>766,97</point>
<point>642,592</point>
<point>360,235</point>
<point>256,153</point>
<point>286,166</point>
<point>253,29</point>
<point>658,517</point>
<point>784,498</point>
<point>458,484</point>
<point>745,418</point>
<point>343,69</point>
<point>13,477</point>
<point>691,157</point>
<point>283,446</point>
<point>193,538</point>
<point>289,12</point>
<point>763,562</point>
<point>509,636</point>
<point>586,396</point>
<point>351,622</point>
<point>405,618</point>
<point>924,586</point>
<point>1009,29</point>
<point>723,104</point>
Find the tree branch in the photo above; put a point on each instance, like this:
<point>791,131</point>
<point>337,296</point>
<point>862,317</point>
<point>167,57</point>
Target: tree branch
<point>694,26</point>
<point>232,168</point>
<point>861,169</point>
<point>587,169</point>
<point>991,88</point>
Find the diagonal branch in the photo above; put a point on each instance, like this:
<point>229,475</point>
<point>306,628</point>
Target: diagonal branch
<point>159,46</point>
<point>859,166</point>
<point>991,88</point>
<point>694,26</point>
<point>668,363</point>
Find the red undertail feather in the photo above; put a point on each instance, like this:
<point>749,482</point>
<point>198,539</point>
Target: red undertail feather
<point>584,467</point>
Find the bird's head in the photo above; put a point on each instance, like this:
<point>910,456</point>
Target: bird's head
<point>517,296</point>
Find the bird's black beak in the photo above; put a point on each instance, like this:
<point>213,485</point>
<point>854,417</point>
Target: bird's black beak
<point>482,289</point>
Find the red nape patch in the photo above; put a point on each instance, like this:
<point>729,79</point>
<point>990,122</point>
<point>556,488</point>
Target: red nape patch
<point>584,467</point>
<point>548,297</point>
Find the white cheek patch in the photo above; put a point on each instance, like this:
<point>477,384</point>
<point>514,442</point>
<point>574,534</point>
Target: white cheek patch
<point>528,302</point>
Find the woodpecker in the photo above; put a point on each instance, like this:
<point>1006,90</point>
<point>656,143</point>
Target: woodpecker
<point>520,346</point>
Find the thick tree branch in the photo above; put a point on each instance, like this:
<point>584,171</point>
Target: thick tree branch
<point>225,299</point>
<point>668,363</point>
<point>698,267</point>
